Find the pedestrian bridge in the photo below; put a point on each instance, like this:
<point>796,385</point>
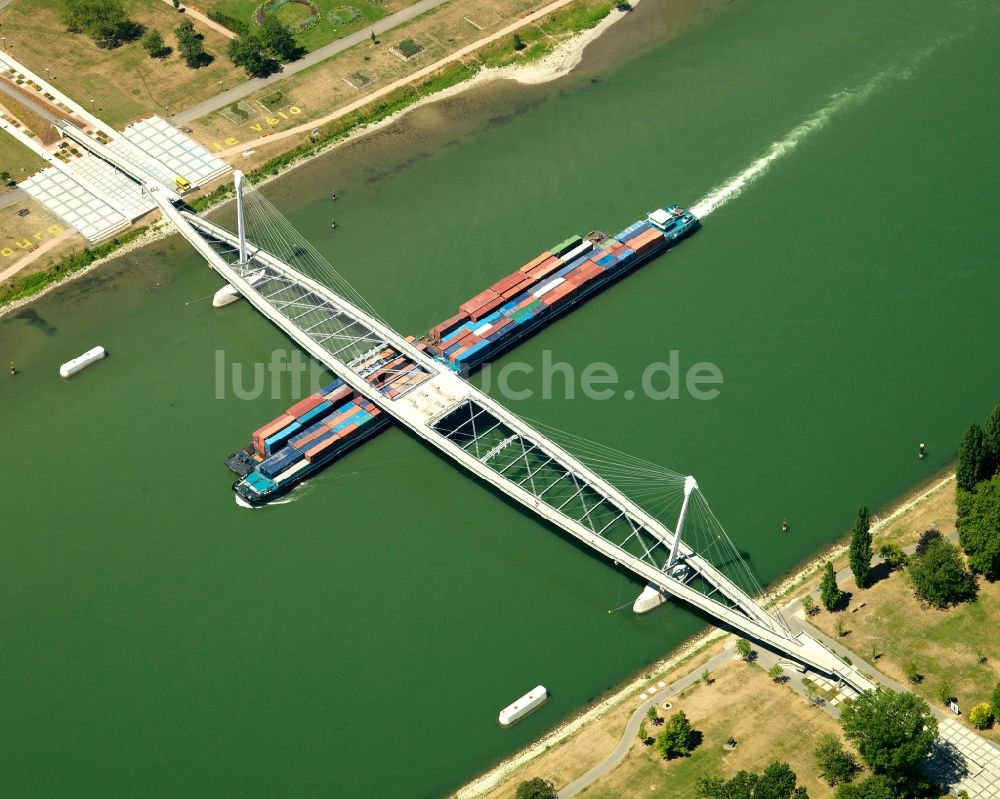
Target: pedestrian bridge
<point>482,436</point>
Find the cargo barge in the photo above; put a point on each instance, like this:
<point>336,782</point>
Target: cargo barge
<point>318,430</point>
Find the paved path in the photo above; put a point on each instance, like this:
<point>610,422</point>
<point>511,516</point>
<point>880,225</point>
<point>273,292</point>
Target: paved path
<point>237,93</point>
<point>360,103</point>
<point>35,254</point>
<point>629,737</point>
<point>12,197</point>
<point>194,13</point>
<point>962,759</point>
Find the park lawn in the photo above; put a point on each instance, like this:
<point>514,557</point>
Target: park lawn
<point>769,722</point>
<point>353,15</point>
<point>319,90</point>
<point>945,645</point>
<point>124,83</point>
<point>17,159</point>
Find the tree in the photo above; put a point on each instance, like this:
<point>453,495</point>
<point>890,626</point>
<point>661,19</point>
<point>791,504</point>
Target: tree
<point>190,46</point>
<point>925,540</point>
<point>177,4</point>
<point>743,648</point>
<point>777,781</point>
<point>706,677</point>
<point>248,52</point>
<point>839,628</point>
<point>153,43</point>
<point>652,715</point>
<point>893,555</point>
<point>995,699</point>
<point>861,547</point>
<point>981,716</point>
<point>991,444</point>
<point>518,42</point>
<point>278,40</point>
<point>979,527</point>
<point>808,605</point>
<point>642,734</point>
<point>875,787</point>
<point>834,764</point>
<point>5,178</point>
<point>104,21</point>
<point>775,672</point>
<point>944,693</point>
<point>677,737</point>
<point>893,732</point>
<point>829,592</point>
<point>939,575</point>
<point>970,458</point>
<point>536,788</point>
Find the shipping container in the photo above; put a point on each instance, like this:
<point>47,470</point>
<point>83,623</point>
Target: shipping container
<point>548,286</point>
<point>546,268</point>
<point>331,387</point>
<point>290,472</point>
<point>444,328</point>
<point>580,249</point>
<point>276,441</point>
<point>279,462</point>
<point>535,262</point>
<point>565,246</point>
<point>316,413</point>
<point>305,405</point>
<point>479,301</point>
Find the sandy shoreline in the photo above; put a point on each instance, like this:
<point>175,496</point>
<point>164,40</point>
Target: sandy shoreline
<point>506,769</point>
<point>561,61</point>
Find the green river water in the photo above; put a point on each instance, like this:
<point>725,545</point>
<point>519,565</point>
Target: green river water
<point>359,640</point>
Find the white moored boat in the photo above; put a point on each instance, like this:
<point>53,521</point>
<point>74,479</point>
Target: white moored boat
<point>71,367</point>
<point>520,708</point>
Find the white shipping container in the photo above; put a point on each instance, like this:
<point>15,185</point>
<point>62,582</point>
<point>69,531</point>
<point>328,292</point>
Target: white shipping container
<point>548,286</point>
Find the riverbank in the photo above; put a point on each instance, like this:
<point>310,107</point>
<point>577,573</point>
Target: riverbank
<point>511,767</point>
<point>558,62</point>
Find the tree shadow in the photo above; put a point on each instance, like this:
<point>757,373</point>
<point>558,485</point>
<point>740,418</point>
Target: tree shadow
<point>879,572</point>
<point>843,602</point>
<point>946,765</point>
<point>695,740</point>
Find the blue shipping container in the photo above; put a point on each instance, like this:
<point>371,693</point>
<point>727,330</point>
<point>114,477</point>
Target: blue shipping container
<point>278,463</point>
<point>316,413</point>
<point>332,387</point>
<point>280,438</point>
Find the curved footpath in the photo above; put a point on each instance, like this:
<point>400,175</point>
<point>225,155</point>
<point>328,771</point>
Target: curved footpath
<point>964,761</point>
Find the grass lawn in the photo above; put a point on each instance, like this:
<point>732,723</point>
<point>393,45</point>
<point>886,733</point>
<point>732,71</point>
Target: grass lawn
<point>768,721</point>
<point>125,83</point>
<point>335,18</point>
<point>317,91</point>
<point>945,645</point>
<point>17,159</point>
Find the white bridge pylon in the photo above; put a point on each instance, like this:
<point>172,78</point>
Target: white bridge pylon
<point>484,437</point>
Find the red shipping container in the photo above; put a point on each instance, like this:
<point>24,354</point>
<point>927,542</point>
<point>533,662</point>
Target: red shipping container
<point>520,288</point>
<point>546,267</point>
<point>319,449</point>
<point>477,302</point>
<point>487,309</point>
<point>535,262</point>
<point>508,282</point>
<point>306,405</point>
<point>445,327</point>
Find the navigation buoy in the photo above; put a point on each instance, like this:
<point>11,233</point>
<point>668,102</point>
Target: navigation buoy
<point>13,369</point>
<point>333,196</point>
<point>784,526</point>
<point>923,451</point>
<point>333,223</point>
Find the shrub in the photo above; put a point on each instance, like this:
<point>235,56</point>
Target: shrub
<point>892,553</point>
<point>981,716</point>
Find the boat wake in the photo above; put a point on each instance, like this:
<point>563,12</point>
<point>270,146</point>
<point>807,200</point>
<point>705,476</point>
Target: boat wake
<point>840,101</point>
